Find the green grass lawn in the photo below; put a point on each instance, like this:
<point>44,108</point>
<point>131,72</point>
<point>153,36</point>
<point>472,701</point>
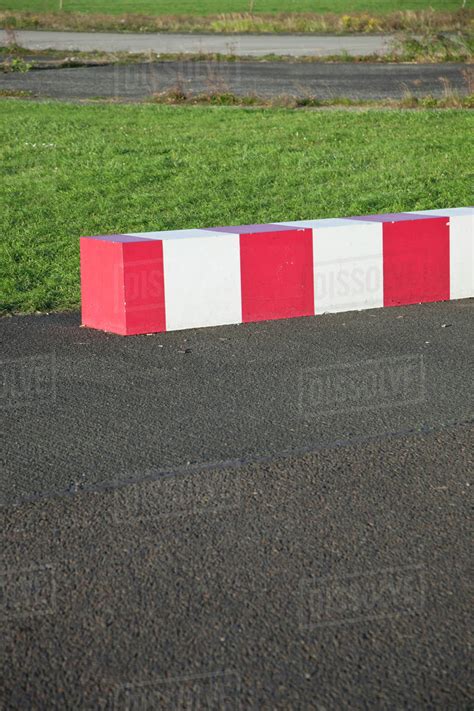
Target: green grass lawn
<point>69,170</point>
<point>207,7</point>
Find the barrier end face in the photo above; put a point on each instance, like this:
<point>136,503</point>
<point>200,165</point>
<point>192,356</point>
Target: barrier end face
<point>103,303</point>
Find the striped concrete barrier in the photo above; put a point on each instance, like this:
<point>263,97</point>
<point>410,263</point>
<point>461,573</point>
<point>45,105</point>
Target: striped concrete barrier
<point>165,281</point>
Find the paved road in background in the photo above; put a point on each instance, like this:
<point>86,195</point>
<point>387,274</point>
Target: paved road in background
<point>325,81</point>
<point>251,45</point>
<point>272,515</point>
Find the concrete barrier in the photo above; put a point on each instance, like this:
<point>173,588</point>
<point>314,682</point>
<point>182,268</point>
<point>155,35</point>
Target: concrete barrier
<point>165,281</point>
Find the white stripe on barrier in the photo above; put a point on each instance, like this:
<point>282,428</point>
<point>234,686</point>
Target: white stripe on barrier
<point>348,264</point>
<point>202,281</point>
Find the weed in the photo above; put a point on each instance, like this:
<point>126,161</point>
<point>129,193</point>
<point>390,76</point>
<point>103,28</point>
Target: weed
<point>17,64</point>
<point>15,93</point>
<point>177,95</point>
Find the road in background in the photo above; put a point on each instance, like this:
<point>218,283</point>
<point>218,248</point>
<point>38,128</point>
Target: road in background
<point>272,515</point>
<point>166,43</point>
<point>265,79</point>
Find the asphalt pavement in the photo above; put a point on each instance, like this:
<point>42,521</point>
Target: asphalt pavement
<point>271,515</point>
<point>266,79</point>
<point>246,44</point>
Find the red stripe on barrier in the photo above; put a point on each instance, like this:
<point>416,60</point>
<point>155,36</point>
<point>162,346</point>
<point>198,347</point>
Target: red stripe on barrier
<point>416,261</point>
<point>277,274</point>
<point>144,287</point>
